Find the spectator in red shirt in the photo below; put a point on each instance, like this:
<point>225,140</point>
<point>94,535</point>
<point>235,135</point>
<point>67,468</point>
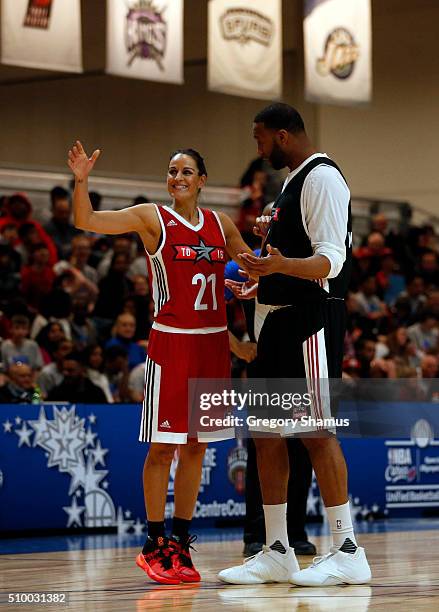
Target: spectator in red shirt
<point>18,210</point>
<point>37,278</point>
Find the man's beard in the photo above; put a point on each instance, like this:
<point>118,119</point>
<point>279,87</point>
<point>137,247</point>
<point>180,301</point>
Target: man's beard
<point>277,158</point>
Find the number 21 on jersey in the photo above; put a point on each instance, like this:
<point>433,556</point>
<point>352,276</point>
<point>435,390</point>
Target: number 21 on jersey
<point>200,279</point>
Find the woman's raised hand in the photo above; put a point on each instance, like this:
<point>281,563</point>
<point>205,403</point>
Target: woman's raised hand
<point>80,164</point>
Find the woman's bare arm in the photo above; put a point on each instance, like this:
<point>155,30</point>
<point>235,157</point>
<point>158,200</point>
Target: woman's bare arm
<point>234,241</point>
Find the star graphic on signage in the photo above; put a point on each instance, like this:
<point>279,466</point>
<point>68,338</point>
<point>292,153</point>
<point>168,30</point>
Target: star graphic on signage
<point>40,427</point>
<point>77,472</point>
<point>78,493</point>
<point>7,426</point>
<point>105,485</point>
<point>74,512</point>
<point>99,453</point>
<point>123,526</point>
<point>90,437</point>
<point>24,434</point>
<point>138,527</point>
<point>17,420</point>
<point>65,439</point>
<point>92,418</point>
<point>93,477</point>
<point>203,251</point>
<point>127,514</point>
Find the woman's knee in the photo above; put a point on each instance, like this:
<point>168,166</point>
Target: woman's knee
<point>193,448</point>
<point>161,453</point>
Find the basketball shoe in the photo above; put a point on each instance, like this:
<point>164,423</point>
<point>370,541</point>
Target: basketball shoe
<point>181,559</point>
<point>269,565</point>
<point>157,562</point>
<point>337,567</point>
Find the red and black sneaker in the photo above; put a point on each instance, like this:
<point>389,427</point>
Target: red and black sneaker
<point>181,559</point>
<point>158,562</point>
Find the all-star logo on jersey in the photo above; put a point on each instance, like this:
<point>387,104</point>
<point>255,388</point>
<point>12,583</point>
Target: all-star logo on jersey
<point>212,254</point>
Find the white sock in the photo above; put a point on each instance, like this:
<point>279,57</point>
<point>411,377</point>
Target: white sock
<point>340,524</point>
<point>276,524</point>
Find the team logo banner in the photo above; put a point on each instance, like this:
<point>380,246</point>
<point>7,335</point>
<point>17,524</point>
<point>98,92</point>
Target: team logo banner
<point>245,48</point>
<point>145,39</point>
<point>338,51</point>
<point>42,34</point>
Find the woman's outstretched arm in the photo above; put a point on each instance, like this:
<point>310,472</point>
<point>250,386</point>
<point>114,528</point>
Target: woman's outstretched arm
<point>141,218</point>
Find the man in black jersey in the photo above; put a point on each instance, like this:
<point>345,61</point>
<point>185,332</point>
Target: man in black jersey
<point>303,274</point>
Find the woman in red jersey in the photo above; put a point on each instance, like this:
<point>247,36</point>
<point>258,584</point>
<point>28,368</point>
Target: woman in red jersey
<point>186,250</point>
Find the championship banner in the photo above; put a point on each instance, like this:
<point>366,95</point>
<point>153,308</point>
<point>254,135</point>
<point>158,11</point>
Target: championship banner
<point>145,39</point>
<point>42,34</point>
<point>338,51</point>
<point>245,48</point>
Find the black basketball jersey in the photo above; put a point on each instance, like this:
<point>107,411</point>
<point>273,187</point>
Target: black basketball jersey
<point>287,233</point>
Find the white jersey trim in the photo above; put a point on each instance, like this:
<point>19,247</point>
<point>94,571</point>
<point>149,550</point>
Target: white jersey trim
<point>220,226</point>
<point>195,228</point>
<point>180,330</point>
<point>162,243</point>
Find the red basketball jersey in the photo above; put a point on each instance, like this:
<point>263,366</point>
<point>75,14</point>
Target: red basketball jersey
<point>187,274</point>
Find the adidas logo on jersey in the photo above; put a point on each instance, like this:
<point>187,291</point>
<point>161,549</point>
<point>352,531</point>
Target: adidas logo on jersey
<point>165,424</point>
<point>171,222</point>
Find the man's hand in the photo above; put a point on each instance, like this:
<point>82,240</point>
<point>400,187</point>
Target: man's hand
<point>243,291</point>
<point>262,225</point>
<point>246,351</point>
<point>79,162</point>
<point>262,266</point>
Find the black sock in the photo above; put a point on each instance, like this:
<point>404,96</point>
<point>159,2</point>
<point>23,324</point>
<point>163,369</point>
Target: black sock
<point>156,529</point>
<point>348,547</point>
<point>279,547</point>
<point>180,528</point>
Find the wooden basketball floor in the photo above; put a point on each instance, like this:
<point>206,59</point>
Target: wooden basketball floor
<point>405,568</point>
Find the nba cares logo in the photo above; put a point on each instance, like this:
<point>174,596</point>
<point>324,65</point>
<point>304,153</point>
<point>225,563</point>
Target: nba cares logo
<point>275,214</point>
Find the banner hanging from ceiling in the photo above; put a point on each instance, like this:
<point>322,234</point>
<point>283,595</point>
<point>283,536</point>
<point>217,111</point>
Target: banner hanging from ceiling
<point>42,34</point>
<point>338,51</point>
<point>145,39</point>
<point>245,48</point>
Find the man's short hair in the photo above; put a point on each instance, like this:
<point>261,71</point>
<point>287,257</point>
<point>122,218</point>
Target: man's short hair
<point>20,320</point>
<point>75,356</point>
<point>281,116</point>
<point>58,193</point>
<point>113,352</point>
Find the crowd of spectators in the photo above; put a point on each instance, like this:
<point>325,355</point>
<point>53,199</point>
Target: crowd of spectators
<point>76,309</point>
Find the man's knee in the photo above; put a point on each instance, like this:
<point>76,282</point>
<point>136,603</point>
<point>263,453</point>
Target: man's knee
<point>270,446</point>
<point>319,444</point>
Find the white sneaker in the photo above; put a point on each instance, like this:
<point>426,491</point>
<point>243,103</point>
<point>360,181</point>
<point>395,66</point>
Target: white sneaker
<point>267,566</point>
<point>336,567</point>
